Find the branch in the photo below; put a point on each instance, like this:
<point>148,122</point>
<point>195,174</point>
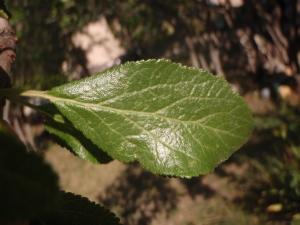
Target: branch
<point>8,43</point>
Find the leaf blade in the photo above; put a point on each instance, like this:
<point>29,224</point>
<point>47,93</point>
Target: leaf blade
<point>28,186</point>
<point>65,134</point>
<point>174,120</point>
<point>74,209</point>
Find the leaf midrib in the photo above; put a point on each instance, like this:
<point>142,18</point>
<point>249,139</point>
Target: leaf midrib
<point>45,95</point>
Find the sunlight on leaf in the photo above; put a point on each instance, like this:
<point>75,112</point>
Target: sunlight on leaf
<point>173,119</point>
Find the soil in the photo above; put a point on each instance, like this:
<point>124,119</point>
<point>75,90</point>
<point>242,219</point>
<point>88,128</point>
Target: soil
<point>139,197</point>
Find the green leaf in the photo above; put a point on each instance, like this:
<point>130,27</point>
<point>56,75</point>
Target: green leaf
<point>77,210</point>
<point>67,136</point>
<point>28,186</point>
<point>173,119</point>
<point>3,14</point>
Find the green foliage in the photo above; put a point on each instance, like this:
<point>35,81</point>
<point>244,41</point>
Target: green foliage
<point>296,219</point>
<point>28,186</point>
<point>29,190</point>
<point>282,186</point>
<point>3,10</point>
<point>169,26</point>
<point>174,120</point>
<point>75,210</point>
<point>278,187</point>
<point>67,136</point>
<point>284,178</point>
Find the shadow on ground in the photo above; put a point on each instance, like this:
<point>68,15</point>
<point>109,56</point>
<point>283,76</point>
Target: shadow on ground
<point>138,196</point>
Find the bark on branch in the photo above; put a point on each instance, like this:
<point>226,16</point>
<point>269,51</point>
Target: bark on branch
<point>8,41</point>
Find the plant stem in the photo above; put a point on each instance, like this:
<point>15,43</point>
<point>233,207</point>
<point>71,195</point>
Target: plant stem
<point>8,92</point>
<point>34,93</point>
<point>17,96</point>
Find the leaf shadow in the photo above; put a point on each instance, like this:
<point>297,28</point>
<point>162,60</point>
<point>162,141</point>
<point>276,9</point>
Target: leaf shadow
<point>67,127</point>
<point>196,187</point>
<point>139,197</point>
<point>99,154</point>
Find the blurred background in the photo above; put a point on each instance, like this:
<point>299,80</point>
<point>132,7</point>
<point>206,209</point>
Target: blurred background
<point>255,45</point>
